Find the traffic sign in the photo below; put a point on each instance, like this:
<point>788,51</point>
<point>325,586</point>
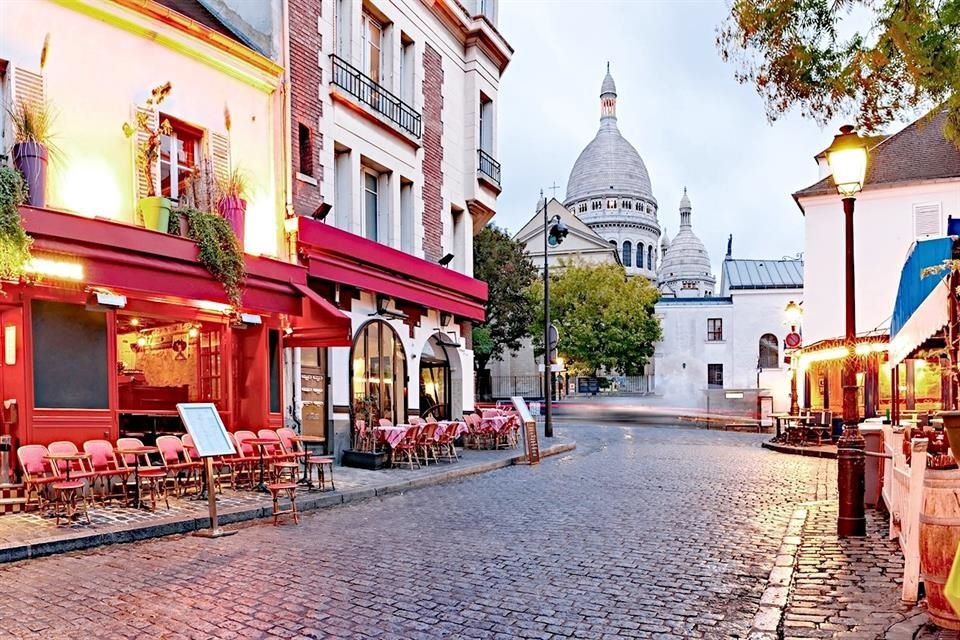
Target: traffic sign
<point>792,340</point>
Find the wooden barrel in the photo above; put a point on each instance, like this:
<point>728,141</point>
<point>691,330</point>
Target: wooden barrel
<point>939,538</point>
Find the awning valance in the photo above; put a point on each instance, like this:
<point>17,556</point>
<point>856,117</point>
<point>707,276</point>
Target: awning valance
<point>921,308</point>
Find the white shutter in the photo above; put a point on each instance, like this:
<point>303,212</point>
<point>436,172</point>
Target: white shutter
<point>220,156</point>
<point>141,138</point>
<point>27,86</point>
<point>927,220</point>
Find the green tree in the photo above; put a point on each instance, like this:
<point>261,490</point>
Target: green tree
<point>503,264</point>
<point>605,319</point>
<point>808,53</point>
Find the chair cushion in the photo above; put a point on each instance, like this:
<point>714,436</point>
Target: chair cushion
<point>73,484</point>
<point>281,486</point>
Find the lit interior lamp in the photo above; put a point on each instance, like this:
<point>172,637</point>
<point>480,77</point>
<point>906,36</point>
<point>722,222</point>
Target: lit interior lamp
<point>793,313</point>
<point>193,332</point>
<point>134,322</point>
<point>847,157</point>
<point>141,341</point>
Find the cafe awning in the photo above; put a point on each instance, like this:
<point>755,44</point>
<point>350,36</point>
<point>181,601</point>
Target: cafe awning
<point>321,325</point>
<point>921,308</point>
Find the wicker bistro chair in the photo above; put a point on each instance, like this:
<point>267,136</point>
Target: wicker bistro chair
<point>78,468</point>
<point>183,471</point>
<point>445,441</point>
<point>427,442</point>
<point>108,472</point>
<point>407,448</point>
<point>193,455</point>
<point>363,439</point>
<point>38,474</point>
<point>245,462</point>
<point>152,476</point>
<point>284,483</point>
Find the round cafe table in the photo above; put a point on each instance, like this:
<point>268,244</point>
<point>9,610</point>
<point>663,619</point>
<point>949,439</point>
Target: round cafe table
<point>393,434</point>
<point>260,443</point>
<point>69,458</point>
<point>305,440</point>
<point>136,452</point>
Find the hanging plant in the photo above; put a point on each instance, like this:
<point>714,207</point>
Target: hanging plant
<point>219,251</point>
<point>14,241</point>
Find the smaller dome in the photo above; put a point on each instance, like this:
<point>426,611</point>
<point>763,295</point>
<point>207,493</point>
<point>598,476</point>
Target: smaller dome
<point>608,86</point>
<point>685,200</point>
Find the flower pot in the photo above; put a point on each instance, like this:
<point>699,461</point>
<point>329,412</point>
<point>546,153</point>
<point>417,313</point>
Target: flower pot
<point>184,226</point>
<point>30,159</point>
<point>234,211</point>
<point>951,424</point>
<point>364,459</point>
<point>156,213</point>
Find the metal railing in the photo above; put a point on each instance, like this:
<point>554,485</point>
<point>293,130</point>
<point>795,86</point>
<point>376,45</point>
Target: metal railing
<point>373,95</point>
<point>488,166</point>
<point>529,386</point>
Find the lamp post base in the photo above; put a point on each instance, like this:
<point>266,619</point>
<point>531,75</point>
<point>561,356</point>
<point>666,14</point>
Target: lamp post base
<point>851,521</point>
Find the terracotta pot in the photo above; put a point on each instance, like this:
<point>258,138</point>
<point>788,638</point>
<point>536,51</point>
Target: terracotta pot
<point>951,424</point>
<point>30,159</point>
<point>184,226</point>
<point>234,211</point>
<point>156,213</point>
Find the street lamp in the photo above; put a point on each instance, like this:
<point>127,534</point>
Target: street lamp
<point>847,157</point>
<point>793,312</point>
<point>554,232</point>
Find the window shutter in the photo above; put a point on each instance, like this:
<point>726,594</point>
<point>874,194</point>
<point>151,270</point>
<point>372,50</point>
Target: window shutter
<point>926,220</point>
<point>140,138</point>
<point>27,86</point>
<point>220,156</point>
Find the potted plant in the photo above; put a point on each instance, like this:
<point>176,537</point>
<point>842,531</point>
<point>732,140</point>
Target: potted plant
<point>364,455</point>
<point>154,209</point>
<point>33,143</point>
<point>219,251</point>
<point>231,203</point>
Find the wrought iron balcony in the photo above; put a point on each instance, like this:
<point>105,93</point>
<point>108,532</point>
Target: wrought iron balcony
<point>373,95</point>
<point>488,166</point>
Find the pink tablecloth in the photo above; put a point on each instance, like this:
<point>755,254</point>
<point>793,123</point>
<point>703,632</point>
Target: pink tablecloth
<point>459,429</point>
<point>391,435</point>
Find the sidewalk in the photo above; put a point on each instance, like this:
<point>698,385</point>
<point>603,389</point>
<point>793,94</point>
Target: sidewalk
<point>30,535</point>
<point>810,450</point>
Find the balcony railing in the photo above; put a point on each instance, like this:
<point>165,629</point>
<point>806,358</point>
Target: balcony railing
<point>488,166</point>
<point>364,89</point>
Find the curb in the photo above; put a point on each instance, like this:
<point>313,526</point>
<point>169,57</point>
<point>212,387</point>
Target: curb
<point>799,451</point>
<point>173,526</point>
<point>906,629</point>
<point>769,617</point>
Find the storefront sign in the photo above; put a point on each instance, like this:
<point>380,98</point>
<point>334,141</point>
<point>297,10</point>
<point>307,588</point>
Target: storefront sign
<point>530,442</point>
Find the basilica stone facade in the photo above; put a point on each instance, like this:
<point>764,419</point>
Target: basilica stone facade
<point>685,270</point>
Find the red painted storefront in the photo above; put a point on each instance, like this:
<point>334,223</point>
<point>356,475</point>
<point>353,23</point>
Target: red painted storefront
<point>160,276</point>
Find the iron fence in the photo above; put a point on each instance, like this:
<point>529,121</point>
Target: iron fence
<point>509,386</point>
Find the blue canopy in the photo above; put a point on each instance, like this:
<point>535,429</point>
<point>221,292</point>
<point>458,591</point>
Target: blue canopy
<point>917,314</point>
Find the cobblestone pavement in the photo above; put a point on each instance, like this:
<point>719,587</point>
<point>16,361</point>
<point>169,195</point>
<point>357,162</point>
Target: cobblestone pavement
<point>642,532</point>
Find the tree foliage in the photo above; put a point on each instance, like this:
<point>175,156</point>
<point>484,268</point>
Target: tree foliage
<point>503,264</point>
<point>605,319</point>
<point>805,53</point>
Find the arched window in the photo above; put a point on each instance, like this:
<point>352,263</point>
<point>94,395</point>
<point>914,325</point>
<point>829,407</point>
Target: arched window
<point>769,351</point>
<point>627,255</point>
<point>640,256</point>
<point>378,375</point>
<point>650,258</point>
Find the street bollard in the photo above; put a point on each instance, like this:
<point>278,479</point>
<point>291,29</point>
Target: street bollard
<point>851,521</point>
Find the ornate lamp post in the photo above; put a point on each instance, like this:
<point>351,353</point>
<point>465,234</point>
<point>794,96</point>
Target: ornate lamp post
<point>847,157</point>
<point>793,313</point>
<point>554,232</point>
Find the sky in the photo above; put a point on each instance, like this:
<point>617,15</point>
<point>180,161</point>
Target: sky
<point>678,104</point>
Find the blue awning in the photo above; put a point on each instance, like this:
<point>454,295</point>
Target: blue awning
<point>922,302</point>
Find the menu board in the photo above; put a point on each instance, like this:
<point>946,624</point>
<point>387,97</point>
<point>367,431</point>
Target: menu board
<point>530,441</point>
<point>204,425</point>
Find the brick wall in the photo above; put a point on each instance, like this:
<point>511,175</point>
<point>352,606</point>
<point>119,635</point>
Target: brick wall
<point>432,153</point>
<point>306,78</point>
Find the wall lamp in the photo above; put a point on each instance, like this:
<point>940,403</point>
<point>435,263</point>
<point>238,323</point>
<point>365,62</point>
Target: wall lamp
<point>445,260</point>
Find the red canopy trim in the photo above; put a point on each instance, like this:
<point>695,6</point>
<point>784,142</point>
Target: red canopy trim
<point>321,325</point>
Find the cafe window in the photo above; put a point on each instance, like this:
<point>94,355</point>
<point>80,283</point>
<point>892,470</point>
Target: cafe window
<point>164,361</point>
<point>69,356</point>
<point>273,353</point>
<point>769,351</point>
<point>379,373</point>
<point>714,329</point>
<point>179,158</point>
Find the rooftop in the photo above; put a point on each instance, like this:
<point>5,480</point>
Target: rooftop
<point>916,153</point>
<point>762,274</point>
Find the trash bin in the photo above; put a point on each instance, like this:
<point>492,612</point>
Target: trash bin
<point>873,443</point>
<point>5,446</point>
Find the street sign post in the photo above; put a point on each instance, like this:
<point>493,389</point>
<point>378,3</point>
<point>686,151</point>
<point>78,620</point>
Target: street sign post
<point>210,437</point>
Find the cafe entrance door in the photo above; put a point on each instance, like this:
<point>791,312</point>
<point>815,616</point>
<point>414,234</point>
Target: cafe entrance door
<point>313,387</point>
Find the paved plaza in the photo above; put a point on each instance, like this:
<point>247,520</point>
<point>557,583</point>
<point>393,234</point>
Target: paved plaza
<point>640,532</point>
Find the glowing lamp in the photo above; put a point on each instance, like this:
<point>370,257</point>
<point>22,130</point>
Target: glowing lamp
<point>793,313</point>
<point>57,269</point>
<point>847,157</point>
<point>193,332</point>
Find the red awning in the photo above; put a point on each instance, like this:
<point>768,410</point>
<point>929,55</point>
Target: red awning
<point>321,325</point>
<point>337,256</point>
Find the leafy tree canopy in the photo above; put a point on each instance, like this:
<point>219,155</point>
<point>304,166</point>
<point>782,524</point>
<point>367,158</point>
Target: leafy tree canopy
<point>605,320</point>
<point>503,264</point>
<point>810,53</point>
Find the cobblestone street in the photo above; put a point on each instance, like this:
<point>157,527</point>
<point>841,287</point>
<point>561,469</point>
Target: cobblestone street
<point>641,532</point>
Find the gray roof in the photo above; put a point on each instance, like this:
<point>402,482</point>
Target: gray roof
<point>762,274</point>
<point>609,165</point>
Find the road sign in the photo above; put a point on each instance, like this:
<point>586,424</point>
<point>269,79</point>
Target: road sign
<point>792,340</point>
